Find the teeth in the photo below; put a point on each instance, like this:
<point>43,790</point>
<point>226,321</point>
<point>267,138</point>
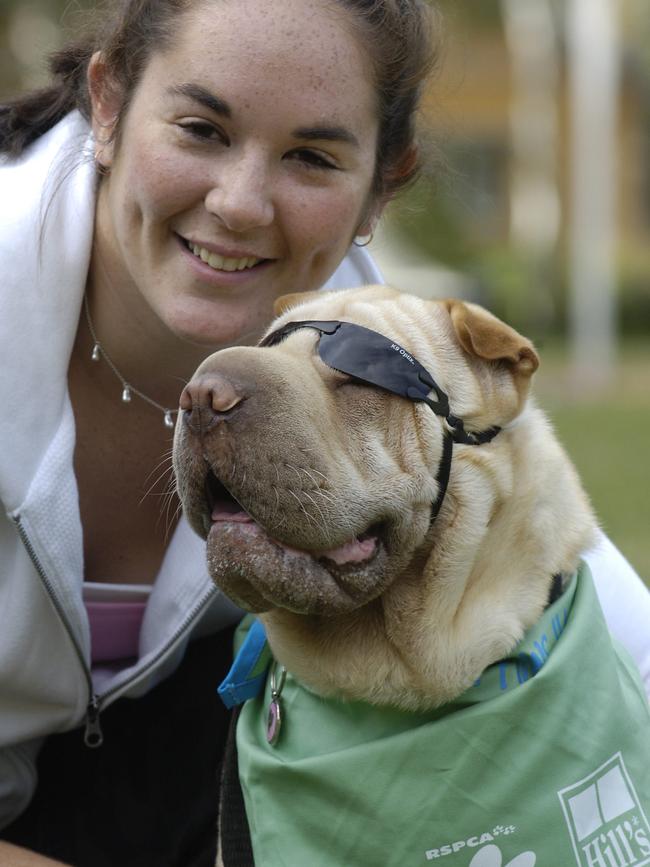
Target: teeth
<point>220,263</point>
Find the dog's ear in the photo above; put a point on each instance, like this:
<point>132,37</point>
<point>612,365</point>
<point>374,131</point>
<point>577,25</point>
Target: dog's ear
<point>483,335</point>
<point>284,302</point>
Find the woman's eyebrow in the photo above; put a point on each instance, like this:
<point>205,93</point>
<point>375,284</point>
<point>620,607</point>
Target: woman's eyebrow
<point>326,133</point>
<point>204,97</point>
<point>219,106</point>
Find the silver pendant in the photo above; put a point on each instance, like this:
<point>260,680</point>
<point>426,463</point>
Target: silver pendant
<point>169,419</point>
<point>96,353</point>
<point>126,394</point>
<point>274,716</point>
<point>273,723</point>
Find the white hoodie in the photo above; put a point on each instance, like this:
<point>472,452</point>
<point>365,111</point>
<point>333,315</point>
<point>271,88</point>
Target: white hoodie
<point>47,201</point>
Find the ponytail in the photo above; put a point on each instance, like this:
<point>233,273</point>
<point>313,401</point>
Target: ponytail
<point>127,32</point>
<point>24,119</point>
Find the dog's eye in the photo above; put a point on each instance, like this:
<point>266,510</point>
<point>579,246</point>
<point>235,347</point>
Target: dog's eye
<point>344,380</point>
<point>336,378</point>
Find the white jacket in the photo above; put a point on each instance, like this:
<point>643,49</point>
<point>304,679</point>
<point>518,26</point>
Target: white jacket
<point>47,200</point>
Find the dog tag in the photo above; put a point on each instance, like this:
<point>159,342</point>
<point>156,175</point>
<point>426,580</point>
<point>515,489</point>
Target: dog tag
<point>273,722</point>
<point>274,716</point>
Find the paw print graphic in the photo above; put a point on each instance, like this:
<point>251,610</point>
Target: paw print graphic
<point>490,856</point>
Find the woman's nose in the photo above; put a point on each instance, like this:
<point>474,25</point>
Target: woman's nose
<point>241,194</point>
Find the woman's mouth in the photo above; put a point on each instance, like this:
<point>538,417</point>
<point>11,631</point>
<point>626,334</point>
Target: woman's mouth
<point>223,263</point>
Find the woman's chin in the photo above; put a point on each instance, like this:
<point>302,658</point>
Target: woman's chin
<point>217,323</point>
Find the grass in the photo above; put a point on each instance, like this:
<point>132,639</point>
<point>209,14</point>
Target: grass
<point>606,434</point>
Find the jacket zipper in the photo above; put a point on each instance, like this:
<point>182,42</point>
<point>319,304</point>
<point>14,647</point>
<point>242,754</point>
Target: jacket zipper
<point>185,626</point>
<point>93,736</point>
<point>93,733</point>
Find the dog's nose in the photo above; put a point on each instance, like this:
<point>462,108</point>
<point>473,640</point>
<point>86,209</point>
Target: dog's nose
<point>207,400</point>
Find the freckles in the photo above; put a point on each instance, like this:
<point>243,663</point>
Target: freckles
<point>158,184</point>
<point>318,227</point>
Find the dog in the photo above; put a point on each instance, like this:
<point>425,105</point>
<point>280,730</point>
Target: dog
<point>376,484</point>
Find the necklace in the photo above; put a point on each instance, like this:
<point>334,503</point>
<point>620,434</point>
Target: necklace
<point>100,353</point>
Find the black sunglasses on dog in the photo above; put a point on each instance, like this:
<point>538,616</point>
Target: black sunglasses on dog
<point>372,359</point>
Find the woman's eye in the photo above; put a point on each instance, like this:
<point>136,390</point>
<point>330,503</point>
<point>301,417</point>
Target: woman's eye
<point>311,158</point>
<point>203,131</point>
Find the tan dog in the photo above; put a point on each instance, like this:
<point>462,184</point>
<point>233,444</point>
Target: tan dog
<point>315,493</point>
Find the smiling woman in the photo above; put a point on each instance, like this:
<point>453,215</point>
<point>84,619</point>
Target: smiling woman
<point>257,163</point>
<point>191,161</point>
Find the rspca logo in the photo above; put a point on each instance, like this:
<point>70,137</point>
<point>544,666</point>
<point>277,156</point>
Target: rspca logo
<point>473,842</point>
<point>487,856</point>
<point>606,823</point>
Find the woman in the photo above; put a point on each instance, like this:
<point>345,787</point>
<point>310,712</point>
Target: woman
<point>236,152</point>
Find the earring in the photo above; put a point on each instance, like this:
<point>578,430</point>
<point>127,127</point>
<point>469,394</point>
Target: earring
<point>363,240</point>
<point>100,168</point>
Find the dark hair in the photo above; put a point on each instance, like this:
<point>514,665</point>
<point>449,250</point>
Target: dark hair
<point>398,35</point>
<point>402,38</point>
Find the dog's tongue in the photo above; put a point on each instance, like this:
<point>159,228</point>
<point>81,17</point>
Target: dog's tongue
<point>230,512</point>
<point>355,551</point>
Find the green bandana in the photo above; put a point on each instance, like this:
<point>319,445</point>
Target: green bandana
<point>545,761</point>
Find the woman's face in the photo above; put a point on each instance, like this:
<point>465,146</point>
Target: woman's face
<point>244,165</point>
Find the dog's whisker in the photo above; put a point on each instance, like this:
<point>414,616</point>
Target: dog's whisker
<point>324,494</point>
<point>318,473</point>
<point>309,517</point>
<point>319,510</point>
<point>169,496</point>
<point>166,458</point>
<point>324,525</point>
<point>164,512</point>
<point>163,474</point>
<point>173,519</point>
<point>150,491</point>
<point>310,476</point>
<point>295,469</point>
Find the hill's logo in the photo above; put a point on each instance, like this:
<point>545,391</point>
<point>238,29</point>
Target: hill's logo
<point>606,822</point>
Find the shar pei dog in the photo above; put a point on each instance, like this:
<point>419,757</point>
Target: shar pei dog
<point>428,675</point>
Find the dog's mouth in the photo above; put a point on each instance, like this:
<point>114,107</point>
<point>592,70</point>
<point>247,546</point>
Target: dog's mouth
<point>260,572</point>
<point>222,507</point>
<point>220,503</point>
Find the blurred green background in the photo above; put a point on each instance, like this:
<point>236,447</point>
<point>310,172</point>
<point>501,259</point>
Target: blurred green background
<point>536,203</point>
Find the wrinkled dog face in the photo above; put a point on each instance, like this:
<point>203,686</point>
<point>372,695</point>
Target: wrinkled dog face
<point>313,492</point>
